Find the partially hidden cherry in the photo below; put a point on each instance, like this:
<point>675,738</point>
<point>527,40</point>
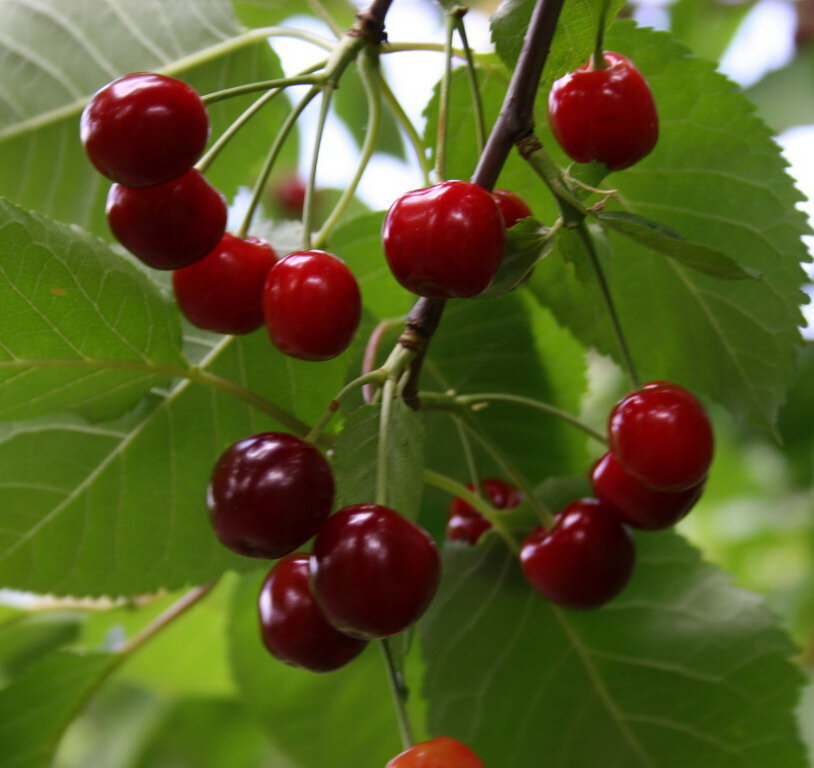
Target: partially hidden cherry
<point>170,225</point>
<point>604,114</point>
<point>269,493</point>
<point>289,194</point>
<point>512,206</point>
<point>144,129</point>
<point>440,752</point>
<point>445,241</point>
<point>312,305</point>
<point>661,435</point>
<point>292,625</point>
<point>637,504</point>
<point>374,572</point>
<point>584,560</point>
<point>223,291</point>
<point>466,524</point>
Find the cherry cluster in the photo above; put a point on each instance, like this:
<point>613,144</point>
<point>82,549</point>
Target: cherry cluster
<point>145,132</point>
<point>371,572</point>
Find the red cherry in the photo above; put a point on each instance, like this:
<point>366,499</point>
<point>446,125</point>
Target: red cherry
<point>293,627</point>
<point>512,206</point>
<point>374,572</point>
<point>312,305</point>
<point>635,503</point>
<point>144,129</point>
<point>440,752</point>
<point>662,436</point>
<point>290,195</point>
<point>169,225</point>
<point>465,523</point>
<point>604,114</point>
<point>223,292</point>
<point>584,560</point>
<point>445,241</point>
<point>269,494</point>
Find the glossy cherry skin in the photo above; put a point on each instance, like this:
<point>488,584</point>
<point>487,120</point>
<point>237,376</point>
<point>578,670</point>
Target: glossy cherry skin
<point>374,572</point>
<point>312,305</point>
<point>662,436</point>
<point>223,291</point>
<point>466,524</point>
<point>144,129</point>
<point>289,195</point>
<point>584,561</point>
<point>170,225</point>
<point>440,752</point>
<point>604,114</point>
<point>512,206</point>
<point>269,493</point>
<point>637,504</point>
<point>445,241</point>
<point>292,625</point>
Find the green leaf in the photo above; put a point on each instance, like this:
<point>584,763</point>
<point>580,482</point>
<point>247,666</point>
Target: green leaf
<point>680,669</point>
<point>36,707</point>
<point>269,13</point>
<point>526,244</point>
<point>25,639</point>
<point>707,28</point>
<point>356,459</point>
<point>54,55</point>
<point>121,508</point>
<point>718,179</point>
<point>315,719</point>
<point>573,43</point>
<point>782,96</point>
<point>664,240</point>
<point>83,329</point>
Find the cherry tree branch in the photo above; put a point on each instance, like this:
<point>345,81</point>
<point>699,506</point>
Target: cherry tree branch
<point>514,123</point>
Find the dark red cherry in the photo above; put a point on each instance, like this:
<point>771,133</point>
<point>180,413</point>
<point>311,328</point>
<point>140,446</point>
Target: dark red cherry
<point>637,504</point>
<point>170,225</point>
<point>440,752</point>
<point>662,436</point>
<point>292,625</point>
<point>268,494</point>
<point>223,291</point>
<point>374,572</point>
<point>604,114</point>
<point>465,523</point>
<point>312,305</point>
<point>445,241</point>
<point>289,194</point>
<point>584,561</point>
<point>144,129</point>
<point>512,206</point>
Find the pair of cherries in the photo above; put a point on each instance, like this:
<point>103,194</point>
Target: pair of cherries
<point>145,131</point>
<point>371,572</point>
<point>661,447</point>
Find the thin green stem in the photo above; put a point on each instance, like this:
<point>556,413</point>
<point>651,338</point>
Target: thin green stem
<point>261,85</point>
<point>383,453</point>
<point>400,693</point>
<point>474,400</point>
<point>320,10</point>
<point>276,147</point>
<point>417,143</point>
<point>415,47</point>
<point>376,376</point>
<point>469,458</point>
<point>367,68</point>
<point>540,509</point>
<point>599,54</point>
<point>308,207</point>
<point>573,209</point>
<point>203,164</point>
<point>443,103</point>
<point>604,289</point>
<point>472,73</point>
<point>455,488</point>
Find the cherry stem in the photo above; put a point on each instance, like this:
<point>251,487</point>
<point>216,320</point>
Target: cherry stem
<point>469,458</point>
<point>604,289</point>
<point>308,207</point>
<point>599,61</point>
<point>400,693</point>
<point>320,10</point>
<point>368,66</point>
<point>383,453</point>
<point>443,102</point>
<point>261,85</point>
<point>476,401</point>
<point>472,76</point>
<point>407,126</point>
<point>455,488</point>
<point>371,352</point>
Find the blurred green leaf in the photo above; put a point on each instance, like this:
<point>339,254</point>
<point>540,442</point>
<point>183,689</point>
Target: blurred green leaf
<point>783,96</point>
<point>707,26</point>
